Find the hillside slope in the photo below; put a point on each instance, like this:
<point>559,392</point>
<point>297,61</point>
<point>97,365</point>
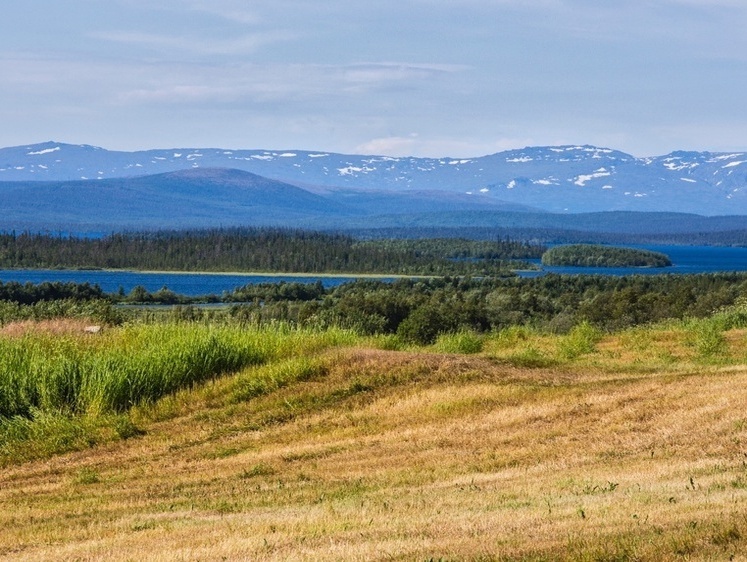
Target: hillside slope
<point>414,456</point>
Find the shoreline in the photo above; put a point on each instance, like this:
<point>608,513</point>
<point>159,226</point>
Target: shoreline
<point>266,274</point>
<point>228,273</point>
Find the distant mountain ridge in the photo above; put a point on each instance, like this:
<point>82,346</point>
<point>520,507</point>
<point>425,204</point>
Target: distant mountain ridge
<point>210,197</point>
<point>560,179</point>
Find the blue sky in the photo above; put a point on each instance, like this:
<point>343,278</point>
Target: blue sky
<point>405,77</point>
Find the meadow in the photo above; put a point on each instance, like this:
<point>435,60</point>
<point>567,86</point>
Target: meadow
<point>214,440</point>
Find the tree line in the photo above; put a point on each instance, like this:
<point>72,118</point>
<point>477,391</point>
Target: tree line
<point>419,310</point>
<point>264,250</point>
<point>554,235</point>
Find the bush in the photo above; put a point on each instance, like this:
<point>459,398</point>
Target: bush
<point>581,340</point>
<point>423,325</point>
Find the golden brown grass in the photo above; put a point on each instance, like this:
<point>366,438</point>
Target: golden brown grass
<point>618,454</point>
<point>55,326</point>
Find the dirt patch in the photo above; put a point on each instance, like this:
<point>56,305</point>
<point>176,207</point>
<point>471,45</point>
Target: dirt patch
<point>58,326</point>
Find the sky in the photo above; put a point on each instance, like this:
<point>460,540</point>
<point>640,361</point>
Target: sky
<point>433,78</point>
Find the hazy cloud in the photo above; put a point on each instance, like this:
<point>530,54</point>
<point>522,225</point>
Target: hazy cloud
<point>243,44</point>
<point>423,77</point>
<point>414,145</point>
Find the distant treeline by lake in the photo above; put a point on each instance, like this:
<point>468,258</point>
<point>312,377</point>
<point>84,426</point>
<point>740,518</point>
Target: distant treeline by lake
<point>265,250</point>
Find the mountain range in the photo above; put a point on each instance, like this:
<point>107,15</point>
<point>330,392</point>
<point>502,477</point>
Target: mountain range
<point>79,187</point>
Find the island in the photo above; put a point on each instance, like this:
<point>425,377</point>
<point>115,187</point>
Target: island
<point>593,255</point>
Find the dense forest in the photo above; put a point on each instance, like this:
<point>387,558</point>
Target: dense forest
<point>419,310</point>
<point>591,255</point>
<point>459,248</point>
<point>416,310</point>
<point>550,235</point>
<point>265,250</point>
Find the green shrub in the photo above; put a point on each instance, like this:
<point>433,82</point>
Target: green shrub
<point>707,337</point>
<point>423,325</point>
<point>581,340</point>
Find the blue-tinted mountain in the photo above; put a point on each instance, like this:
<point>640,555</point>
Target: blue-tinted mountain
<point>560,179</point>
<point>209,197</point>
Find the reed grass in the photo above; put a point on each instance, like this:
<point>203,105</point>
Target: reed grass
<point>463,341</point>
<point>64,390</point>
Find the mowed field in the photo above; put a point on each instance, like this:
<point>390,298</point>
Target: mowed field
<point>630,446</point>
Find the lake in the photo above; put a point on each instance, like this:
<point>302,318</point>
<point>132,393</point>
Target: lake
<point>686,259</point>
<point>190,284</point>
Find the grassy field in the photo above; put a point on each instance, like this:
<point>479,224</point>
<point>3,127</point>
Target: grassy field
<point>511,446</point>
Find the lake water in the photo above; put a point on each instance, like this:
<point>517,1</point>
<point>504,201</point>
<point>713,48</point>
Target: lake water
<point>190,284</point>
<point>686,259</point>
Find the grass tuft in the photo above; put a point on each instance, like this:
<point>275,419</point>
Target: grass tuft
<point>464,342</point>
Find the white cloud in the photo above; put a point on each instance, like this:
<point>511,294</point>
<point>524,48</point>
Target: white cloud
<point>276,83</point>
<point>437,147</point>
<point>178,94</point>
<point>394,72</point>
<point>237,12</point>
<point>243,44</point>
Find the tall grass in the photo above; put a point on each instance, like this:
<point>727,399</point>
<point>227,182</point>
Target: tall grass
<point>135,364</point>
<point>463,341</point>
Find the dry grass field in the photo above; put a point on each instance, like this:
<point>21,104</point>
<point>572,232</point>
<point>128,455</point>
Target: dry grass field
<point>620,447</point>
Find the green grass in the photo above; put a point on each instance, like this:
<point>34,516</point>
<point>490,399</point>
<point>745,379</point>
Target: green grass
<point>134,364</point>
<point>70,391</point>
<point>465,342</point>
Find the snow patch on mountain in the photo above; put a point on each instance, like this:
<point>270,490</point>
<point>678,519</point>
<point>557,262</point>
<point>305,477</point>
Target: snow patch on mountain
<point>44,151</point>
<point>722,157</point>
<point>583,179</point>
<point>350,170</point>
